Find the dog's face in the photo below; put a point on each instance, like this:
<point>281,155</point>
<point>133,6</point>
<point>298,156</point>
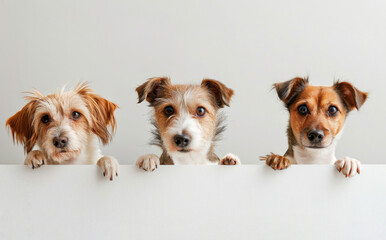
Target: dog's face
<point>317,114</point>
<point>61,124</point>
<point>185,115</point>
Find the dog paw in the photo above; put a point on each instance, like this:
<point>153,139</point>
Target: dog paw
<point>276,162</point>
<point>109,166</point>
<point>35,159</point>
<point>230,159</point>
<point>148,162</point>
<point>348,166</point>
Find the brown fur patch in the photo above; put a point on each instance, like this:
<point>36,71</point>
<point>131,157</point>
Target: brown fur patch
<point>101,112</point>
<point>21,127</point>
<point>351,96</point>
<point>221,93</point>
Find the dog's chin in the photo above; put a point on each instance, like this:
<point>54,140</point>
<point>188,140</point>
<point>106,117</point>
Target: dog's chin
<point>183,150</point>
<point>317,146</point>
<point>64,155</point>
<point>314,147</point>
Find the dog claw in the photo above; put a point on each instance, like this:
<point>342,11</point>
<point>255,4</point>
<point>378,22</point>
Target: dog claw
<point>148,162</point>
<point>276,162</point>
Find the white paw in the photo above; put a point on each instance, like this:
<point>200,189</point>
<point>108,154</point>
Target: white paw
<point>348,166</point>
<point>35,159</point>
<point>230,159</point>
<point>109,166</point>
<point>148,162</point>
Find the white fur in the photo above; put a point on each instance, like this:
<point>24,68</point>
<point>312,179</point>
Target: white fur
<point>148,162</point>
<point>90,152</point>
<point>230,159</point>
<point>348,166</point>
<point>313,156</point>
<point>303,155</point>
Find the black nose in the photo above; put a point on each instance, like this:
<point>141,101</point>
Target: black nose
<point>182,140</point>
<point>60,142</point>
<point>315,136</point>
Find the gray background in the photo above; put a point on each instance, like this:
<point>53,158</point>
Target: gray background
<point>248,45</point>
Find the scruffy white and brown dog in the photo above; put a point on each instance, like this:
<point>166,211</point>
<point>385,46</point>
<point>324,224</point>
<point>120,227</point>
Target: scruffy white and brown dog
<point>187,122</point>
<point>64,127</point>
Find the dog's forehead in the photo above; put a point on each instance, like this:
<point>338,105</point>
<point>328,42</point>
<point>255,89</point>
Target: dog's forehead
<point>319,95</point>
<point>187,94</point>
<point>61,103</point>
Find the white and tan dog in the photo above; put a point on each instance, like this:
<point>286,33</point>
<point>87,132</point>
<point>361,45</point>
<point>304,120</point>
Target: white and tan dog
<point>317,117</point>
<point>65,127</point>
<point>187,122</point>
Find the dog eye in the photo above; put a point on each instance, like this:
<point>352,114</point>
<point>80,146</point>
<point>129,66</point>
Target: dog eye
<point>332,110</point>
<point>200,111</point>
<point>168,111</point>
<point>302,109</point>
<point>46,119</point>
<point>75,115</point>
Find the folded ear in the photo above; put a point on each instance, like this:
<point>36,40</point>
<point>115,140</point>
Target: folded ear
<point>101,113</point>
<point>221,93</point>
<point>152,89</point>
<point>21,127</point>
<point>288,90</point>
<point>352,97</point>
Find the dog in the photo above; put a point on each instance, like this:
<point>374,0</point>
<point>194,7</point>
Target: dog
<point>65,127</point>
<point>187,122</point>
<point>317,117</point>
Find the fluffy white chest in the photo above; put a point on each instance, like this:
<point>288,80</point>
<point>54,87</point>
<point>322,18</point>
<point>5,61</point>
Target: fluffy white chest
<point>313,156</point>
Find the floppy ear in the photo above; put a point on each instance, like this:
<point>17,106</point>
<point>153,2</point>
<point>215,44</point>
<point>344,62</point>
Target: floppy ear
<point>152,89</point>
<point>101,113</point>
<point>21,127</point>
<point>287,91</point>
<point>221,93</point>
<point>352,97</point>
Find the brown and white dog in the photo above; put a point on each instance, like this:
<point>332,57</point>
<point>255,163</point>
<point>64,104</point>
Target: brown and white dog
<point>317,117</point>
<point>65,127</point>
<point>187,122</point>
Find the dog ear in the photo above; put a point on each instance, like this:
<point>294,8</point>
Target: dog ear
<point>288,90</point>
<point>21,127</point>
<point>352,97</point>
<point>101,113</point>
<point>221,93</point>
<point>152,89</point>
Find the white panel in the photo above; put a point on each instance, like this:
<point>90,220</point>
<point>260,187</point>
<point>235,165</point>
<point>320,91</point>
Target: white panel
<point>186,202</point>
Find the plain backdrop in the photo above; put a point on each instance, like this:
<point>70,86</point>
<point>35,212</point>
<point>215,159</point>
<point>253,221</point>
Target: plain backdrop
<point>248,45</point>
